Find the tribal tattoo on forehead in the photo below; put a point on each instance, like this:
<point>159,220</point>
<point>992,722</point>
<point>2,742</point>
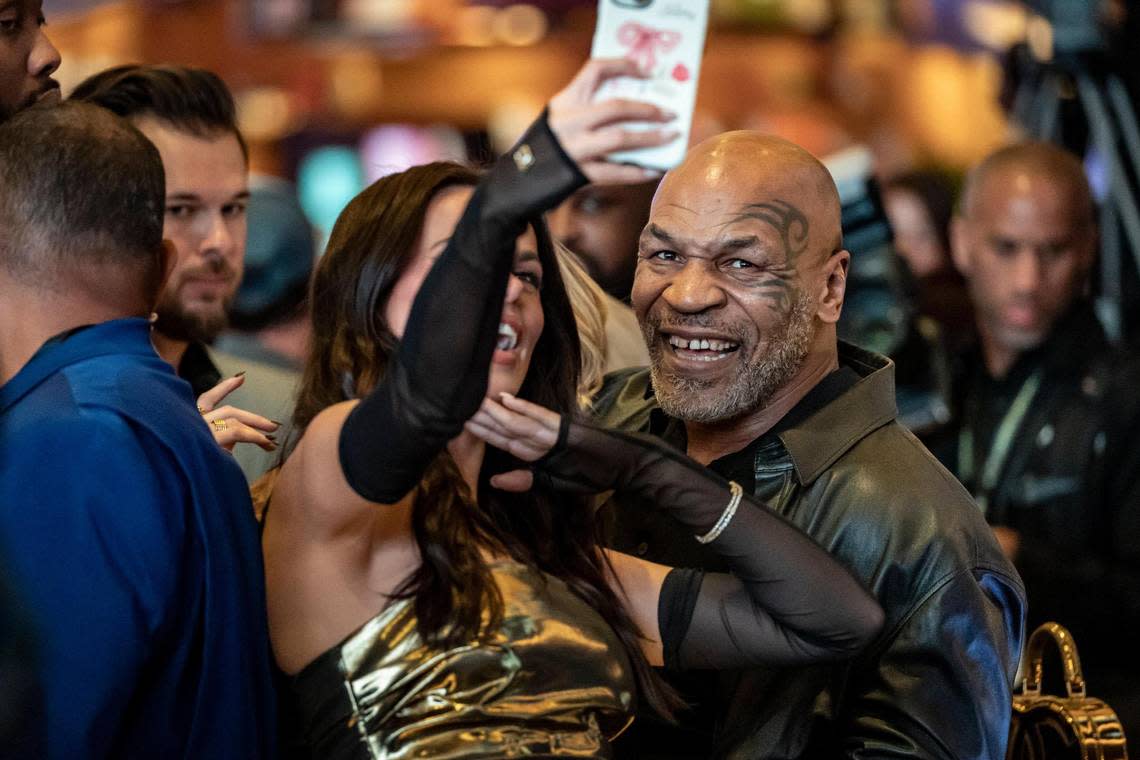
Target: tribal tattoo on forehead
<point>785,218</point>
<point>781,289</point>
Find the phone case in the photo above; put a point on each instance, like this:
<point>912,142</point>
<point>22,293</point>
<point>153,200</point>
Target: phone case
<point>666,37</point>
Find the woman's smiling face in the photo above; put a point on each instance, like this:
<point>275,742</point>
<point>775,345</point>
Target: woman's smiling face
<point>522,319</point>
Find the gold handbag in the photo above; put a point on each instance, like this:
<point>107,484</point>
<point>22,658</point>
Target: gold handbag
<point>1074,727</point>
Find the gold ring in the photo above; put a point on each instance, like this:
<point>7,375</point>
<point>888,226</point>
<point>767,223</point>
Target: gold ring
<point>219,425</point>
<point>200,409</point>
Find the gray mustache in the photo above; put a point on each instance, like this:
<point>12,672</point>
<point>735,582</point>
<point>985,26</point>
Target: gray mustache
<point>697,321</point>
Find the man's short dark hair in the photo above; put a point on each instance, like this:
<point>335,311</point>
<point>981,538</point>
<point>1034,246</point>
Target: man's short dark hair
<point>194,101</point>
<point>81,191</point>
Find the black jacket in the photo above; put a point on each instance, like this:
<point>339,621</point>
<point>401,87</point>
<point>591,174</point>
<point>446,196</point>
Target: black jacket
<point>937,681</point>
<point>1070,487</point>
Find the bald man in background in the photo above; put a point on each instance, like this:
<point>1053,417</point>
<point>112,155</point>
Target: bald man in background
<point>740,281</point>
<point>1047,412</point>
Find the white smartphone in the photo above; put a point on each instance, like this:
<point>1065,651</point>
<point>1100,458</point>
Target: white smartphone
<point>667,37</point>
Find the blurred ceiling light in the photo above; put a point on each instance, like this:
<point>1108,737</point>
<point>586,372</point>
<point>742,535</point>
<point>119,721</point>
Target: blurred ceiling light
<point>476,26</point>
<point>264,113</point>
<point>379,15</point>
<point>520,24</point>
<point>995,25</point>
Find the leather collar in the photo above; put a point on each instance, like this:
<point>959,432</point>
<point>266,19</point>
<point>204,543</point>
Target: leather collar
<point>817,442</point>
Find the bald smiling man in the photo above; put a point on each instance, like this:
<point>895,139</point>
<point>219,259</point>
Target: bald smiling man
<point>740,281</point>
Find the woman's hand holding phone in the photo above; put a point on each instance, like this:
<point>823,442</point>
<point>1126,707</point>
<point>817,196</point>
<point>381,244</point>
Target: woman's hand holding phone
<point>589,130</point>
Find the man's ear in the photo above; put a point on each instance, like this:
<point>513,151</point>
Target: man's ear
<point>960,245</point>
<point>167,258</point>
<point>834,286</point>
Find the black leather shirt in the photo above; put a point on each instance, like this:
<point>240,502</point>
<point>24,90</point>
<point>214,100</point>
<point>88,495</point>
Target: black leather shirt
<point>937,682</point>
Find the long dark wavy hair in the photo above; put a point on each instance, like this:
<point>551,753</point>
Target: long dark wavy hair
<point>456,599</point>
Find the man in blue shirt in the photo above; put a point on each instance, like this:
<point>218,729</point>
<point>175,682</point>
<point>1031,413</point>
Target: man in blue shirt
<point>27,62</point>
<point>127,529</point>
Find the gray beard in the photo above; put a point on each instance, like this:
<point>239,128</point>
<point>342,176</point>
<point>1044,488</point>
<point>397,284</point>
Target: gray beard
<point>757,379</point>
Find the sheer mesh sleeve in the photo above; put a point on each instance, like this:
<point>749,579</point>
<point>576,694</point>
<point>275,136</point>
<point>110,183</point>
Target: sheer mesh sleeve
<point>438,376</point>
<point>787,600</point>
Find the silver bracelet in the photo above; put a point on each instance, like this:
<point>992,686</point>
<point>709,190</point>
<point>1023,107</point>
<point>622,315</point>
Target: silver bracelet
<point>726,517</point>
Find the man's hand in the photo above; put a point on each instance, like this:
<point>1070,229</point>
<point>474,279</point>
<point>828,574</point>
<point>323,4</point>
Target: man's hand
<point>231,425</point>
<point>588,130</point>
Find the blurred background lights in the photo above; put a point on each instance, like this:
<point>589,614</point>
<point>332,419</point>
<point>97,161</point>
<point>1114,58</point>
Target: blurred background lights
<point>520,24</point>
<point>327,179</point>
<point>476,27</point>
<point>356,83</point>
<point>809,16</point>
<point>395,147</point>
<point>995,25</point>
<point>264,113</point>
<point>509,118</point>
<point>378,14</point>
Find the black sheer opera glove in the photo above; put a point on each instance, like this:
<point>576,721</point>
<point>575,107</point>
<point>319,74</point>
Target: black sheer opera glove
<point>439,373</point>
<point>438,376</point>
<point>786,602</point>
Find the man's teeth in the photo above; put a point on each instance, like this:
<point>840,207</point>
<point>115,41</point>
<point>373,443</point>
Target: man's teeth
<point>701,344</point>
<point>508,338</point>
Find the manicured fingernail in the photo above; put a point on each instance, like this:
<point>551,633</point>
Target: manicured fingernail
<point>669,115</point>
<point>240,374</point>
<point>271,437</point>
<point>275,422</point>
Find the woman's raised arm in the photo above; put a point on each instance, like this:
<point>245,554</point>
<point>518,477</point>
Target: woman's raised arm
<point>438,376</point>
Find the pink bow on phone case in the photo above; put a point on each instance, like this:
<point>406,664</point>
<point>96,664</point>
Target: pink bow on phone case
<point>645,43</point>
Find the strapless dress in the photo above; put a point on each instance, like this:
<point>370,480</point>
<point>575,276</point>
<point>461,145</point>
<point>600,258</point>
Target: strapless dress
<point>554,681</point>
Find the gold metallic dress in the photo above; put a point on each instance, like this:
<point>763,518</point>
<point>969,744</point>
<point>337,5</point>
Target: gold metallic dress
<point>554,682</point>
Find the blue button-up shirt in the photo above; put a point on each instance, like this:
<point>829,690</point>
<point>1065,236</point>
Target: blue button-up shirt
<point>130,536</point>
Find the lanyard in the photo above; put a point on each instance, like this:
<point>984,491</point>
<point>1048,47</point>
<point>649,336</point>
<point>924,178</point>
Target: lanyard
<point>1003,440</point>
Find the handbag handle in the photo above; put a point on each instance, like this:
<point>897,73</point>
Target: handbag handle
<point>1070,660</point>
